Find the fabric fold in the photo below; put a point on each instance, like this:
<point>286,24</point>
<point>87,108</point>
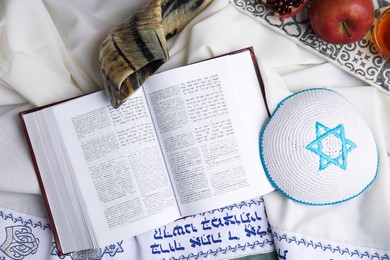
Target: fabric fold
<point>34,53</point>
<point>46,57</point>
<point>16,169</point>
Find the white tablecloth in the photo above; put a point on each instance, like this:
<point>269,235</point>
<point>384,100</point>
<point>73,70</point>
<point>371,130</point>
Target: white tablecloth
<point>48,52</point>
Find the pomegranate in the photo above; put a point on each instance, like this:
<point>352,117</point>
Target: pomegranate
<point>286,8</point>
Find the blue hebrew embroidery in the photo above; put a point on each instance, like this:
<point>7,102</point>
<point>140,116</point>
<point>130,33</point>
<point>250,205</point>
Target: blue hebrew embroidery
<point>282,256</point>
<point>20,242</point>
<point>113,249</point>
<point>204,240</point>
<point>331,146</point>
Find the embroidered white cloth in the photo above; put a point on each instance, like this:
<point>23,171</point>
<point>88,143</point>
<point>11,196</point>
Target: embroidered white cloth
<point>48,52</point>
<point>236,230</point>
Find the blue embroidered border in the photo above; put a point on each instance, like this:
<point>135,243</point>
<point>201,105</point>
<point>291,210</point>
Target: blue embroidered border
<point>333,249</point>
<point>28,222</point>
<point>253,202</point>
<point>224,251</point>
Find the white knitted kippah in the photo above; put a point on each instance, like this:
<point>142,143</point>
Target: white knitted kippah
<point>316,148</point>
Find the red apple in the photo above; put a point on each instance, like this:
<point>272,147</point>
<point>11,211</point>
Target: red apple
<point>341,21</point>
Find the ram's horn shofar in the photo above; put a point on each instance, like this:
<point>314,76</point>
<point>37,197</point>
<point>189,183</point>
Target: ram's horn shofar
<point>135,49</point>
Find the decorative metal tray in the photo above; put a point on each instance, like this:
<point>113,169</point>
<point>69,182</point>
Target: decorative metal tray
<point>359,58</point>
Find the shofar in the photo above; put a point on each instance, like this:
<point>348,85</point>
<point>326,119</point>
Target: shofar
<point>135,49</point>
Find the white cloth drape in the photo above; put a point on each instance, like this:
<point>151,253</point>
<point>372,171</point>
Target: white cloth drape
<point>48,52</point>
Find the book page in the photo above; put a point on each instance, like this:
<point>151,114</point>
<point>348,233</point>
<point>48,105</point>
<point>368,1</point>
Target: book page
<point>118,165</point>
<point>209,117</point>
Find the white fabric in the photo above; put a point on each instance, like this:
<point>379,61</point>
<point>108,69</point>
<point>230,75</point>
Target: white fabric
<point>48,52</point>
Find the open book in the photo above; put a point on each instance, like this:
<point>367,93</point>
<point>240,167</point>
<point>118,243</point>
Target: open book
<point>184,143</point>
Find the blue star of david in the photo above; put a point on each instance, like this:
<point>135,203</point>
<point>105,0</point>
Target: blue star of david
<point>317,146</point>
<point>113,249</point>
